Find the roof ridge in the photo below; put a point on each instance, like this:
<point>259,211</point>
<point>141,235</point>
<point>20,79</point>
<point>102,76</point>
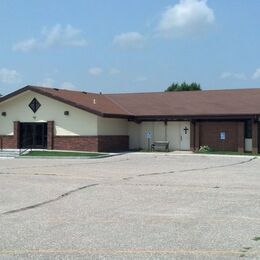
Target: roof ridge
<point>62,89</point>
<point>148,92</point>
<point>191,91</point>
<point>119,105</point>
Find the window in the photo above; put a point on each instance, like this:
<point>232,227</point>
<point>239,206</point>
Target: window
<point>34,105</point>
<point>248,129</point>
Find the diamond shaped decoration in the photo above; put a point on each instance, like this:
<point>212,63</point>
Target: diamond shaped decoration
<point>34,105</point>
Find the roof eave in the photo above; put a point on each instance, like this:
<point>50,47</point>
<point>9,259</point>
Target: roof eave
<point>196,117</point>
<point>42,92</point>
<point>74,104</point>
<point>123,116</point>
<point>15,93</point>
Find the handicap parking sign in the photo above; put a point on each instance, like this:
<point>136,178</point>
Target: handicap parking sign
<point>148,135</point>
<point>222,136</point>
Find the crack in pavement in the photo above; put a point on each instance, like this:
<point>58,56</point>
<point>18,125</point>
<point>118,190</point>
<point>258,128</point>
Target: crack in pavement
<point>191,170</point>
<point>49,201</point>
<point>126,178</point>
<point>222,166</point>
<point>161,185</point>
<point>37,174</point>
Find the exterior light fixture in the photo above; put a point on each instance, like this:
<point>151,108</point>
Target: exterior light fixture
<point>66,113</point>
<point>3,113</point>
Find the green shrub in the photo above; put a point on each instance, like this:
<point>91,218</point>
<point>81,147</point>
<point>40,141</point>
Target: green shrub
<point>205,148</point>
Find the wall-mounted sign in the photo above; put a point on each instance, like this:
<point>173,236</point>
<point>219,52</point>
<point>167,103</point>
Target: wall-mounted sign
<point>148,135</point>
<point>222,135</point>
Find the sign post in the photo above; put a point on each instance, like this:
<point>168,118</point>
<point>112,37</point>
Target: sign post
<point>222,138</point>
<point>148,136</point>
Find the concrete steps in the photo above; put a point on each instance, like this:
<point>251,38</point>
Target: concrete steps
<point>9,153</point>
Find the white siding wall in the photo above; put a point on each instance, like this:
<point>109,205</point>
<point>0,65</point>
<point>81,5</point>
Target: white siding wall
<point>160,132</point>
<point>173,135</point>
<point>156,128</point>
<point>134,135</point>
<point>78,122</point>
<point>112,126</point>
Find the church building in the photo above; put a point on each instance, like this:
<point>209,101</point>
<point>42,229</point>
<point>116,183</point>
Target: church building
<point>51,118</point>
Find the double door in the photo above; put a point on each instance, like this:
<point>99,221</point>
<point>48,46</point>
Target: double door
<point>33,135</point>
<point>178,134</point>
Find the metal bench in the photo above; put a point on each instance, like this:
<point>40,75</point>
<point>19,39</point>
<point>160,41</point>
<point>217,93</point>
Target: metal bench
<point>160,144</point>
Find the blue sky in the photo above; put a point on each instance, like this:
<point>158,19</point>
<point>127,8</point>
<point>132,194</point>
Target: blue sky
<point>129,46</point>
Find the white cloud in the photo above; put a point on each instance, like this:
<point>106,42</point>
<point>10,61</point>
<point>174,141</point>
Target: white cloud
<point>47,82</point>
<point>27,45</point>
<point>256,75</point>
<point>188,17</point>
<point>114,71</point>
<point>9,76</point>
<point>230,75</point>
<point>95,71</point>
<point>68,85</point>
<point>141,79</point>
<point>129,40</point>
<point>56,36</point>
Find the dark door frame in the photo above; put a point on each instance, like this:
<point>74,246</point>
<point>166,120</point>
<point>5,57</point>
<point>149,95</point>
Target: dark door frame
<point>33,135</point>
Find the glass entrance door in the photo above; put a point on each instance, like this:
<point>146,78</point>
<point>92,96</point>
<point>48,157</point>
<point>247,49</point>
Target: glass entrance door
<point>33,135</point>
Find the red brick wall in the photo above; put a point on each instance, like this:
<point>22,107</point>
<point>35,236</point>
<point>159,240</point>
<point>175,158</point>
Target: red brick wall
<point>255,137</point>
<point>209,134</point>
<point>113,143</point>
<point>77,143</point>
<point>17,134</point>
<point>8,142</point>
<point>259,137</point>
<point>192,136</point>
<point>11,141</point>
<point>241,137</point>
<point>50,134</point>
<point>91,143</point>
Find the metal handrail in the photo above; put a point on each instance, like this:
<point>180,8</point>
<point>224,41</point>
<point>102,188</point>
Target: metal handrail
<point>22,152</point>
<point>26,149</point>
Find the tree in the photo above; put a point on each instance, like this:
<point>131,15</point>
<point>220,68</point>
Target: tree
<point>183,87</point>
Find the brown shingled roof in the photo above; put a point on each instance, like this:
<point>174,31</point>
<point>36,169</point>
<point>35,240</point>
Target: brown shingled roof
<point>237,102</point>
<point>192,103</point>
<point>94,103</point>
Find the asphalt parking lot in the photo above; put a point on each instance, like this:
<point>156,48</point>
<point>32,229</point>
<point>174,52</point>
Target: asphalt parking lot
<point>132,206</point>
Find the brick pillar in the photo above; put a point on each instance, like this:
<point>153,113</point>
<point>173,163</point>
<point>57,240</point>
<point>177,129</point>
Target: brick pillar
<point>258,137</point>
<point>17,134</point>
<point>254,137</point>
<point>50,134</point>
<point>241,137</point>
<point>192,136</point>
<point>197,136</point>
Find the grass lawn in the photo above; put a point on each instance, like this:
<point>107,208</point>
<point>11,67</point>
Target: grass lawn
<point>62,154</point>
